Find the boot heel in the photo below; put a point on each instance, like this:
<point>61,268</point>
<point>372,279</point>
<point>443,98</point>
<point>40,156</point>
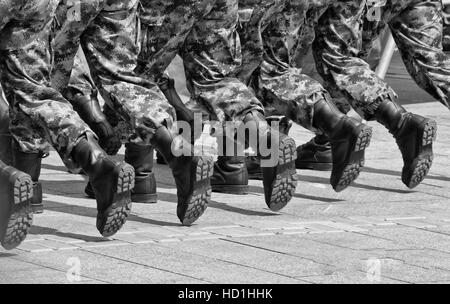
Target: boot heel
<point>201,196</point>
<point>116,215</point>
<point>21,217</point>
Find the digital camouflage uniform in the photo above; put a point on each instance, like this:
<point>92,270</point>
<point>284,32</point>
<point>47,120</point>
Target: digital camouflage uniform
<point>205,34</point>
<point>417,30</point>
<point>109,34</point>
<point>276,32</point>
<point>39,114</point>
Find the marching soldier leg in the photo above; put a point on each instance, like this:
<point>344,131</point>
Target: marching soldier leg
<point>5,135</point>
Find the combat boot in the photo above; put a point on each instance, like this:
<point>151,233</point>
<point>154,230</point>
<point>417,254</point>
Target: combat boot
<point>414,135</point>
<point>90,111</point>
<point>111,182</point>
<point>191,173</point>
<point>277,168</point>
<point>252,163</point>
<point>315,154</point>
<point>141,158</point>
<point>349,138</point>
<point>30,163</point>
<point>230,173</point>
<point>16,213</point>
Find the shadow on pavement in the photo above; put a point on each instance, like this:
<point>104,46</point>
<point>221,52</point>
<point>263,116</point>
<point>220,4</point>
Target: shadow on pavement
<point>395,173</point>
<point>38,230</point>
<point>325,181</point>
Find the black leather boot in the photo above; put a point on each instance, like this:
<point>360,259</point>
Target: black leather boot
<point>315,154</point>
<point>90,111</point>
<point>414,135</point>
<point>141,158</point>
<point>5,136</point>
<point>16,213</point>
<point>349,138</point>
<point>253,167</point>
<point>192,177</point>
<point>230,175</point>
<point>30,163</point>
<point>279,175</point>
<point>111,181</point>
<point>252,162</point>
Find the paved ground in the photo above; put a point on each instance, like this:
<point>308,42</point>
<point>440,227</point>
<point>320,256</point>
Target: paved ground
<point>376,231</point>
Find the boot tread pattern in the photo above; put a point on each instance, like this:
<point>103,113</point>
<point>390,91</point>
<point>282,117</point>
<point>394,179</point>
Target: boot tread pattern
<point>118,212</point>
<point>429,133</point>
<point>285,184</point>
<point>421,170</point>
<point>352,170</point>
<point>21,218</point>
<point>422,164</point>
<point>364,138</point>
<point>201,197</point>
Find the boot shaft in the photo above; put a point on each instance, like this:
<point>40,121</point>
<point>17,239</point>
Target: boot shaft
<point>389,114</point>
<point>326,116</point>
<point>140,157</point>
<point>30,163</point>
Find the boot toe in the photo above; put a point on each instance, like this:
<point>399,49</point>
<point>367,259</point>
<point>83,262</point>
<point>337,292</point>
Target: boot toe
<point>112,220</point>
<point>284,183</point>
<point>196,203</point>
<point>416,170</point>
<point>118,209</point>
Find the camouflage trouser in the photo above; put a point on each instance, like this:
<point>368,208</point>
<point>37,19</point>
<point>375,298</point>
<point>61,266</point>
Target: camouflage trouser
<point>417,28</point>
<point>273,31</point>
<point>109,34</point>
<point>204,33</point>
<point>39,114</point>
<point>446,30</point>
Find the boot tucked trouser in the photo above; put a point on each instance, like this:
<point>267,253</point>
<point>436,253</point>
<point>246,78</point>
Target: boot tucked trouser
<point>111,182</point>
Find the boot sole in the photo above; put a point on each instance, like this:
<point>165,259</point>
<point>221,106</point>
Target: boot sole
<point>21,217</point>
<point>285,183</point>
<point>116,215</point>
<point>144,198</point>
<point>230,189</point>
<point>423,162</point>
<point>201,196</point>
<point>355,160</point>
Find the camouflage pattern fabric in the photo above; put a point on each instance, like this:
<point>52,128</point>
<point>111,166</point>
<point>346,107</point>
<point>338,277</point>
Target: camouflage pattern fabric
<point>109,34</point>
<point>39,114</point>
<point>205,34</point>
<point>417,29</point>
<point>276,33</point>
